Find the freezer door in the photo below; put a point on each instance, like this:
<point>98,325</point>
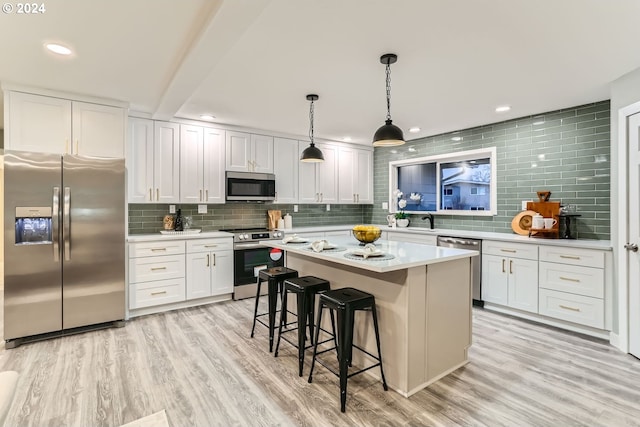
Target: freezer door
<point>93,240</point>
<point>32,267</point>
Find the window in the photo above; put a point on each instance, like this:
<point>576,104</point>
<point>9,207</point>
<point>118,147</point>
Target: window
<point>459,183</point>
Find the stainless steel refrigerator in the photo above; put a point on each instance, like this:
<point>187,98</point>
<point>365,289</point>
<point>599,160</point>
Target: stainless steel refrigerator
<point>64,244</point>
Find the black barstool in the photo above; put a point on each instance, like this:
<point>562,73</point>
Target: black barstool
<point>305,288</point>
<point>346,302</point>
<point>274,277</point>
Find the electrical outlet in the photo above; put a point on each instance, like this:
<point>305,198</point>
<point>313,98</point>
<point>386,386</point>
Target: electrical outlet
<point>328,207</point>
<point>172,208</point>
<point>202,209</point>
<point>295,208</point>
<point>385,206</point>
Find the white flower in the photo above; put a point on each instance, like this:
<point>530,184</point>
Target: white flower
<point>398,193</point>
<point>402,204</point>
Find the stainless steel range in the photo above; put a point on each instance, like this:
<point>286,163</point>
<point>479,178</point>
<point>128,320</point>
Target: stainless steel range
<point>249,257</point>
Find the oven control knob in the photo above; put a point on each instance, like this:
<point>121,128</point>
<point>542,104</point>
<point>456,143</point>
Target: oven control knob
<point>246,236</point>
<point>241,236</point>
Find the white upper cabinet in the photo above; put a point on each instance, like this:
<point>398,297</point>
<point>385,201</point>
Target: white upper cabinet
<point>201,165</point>
<point>318,182</point>
<point>355,175</point>
<point>153,161</point>
<point>55,125</point>
<point>286,162</point>
<point>249,153</point>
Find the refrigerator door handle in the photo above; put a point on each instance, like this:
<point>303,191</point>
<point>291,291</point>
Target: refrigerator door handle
<point>66,223</point>
<point>55,224</point>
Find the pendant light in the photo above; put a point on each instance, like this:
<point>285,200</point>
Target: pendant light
<point>388,135</point>
<point>311,153</point>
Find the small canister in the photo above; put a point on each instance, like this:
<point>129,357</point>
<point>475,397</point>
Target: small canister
<point>168,222</point>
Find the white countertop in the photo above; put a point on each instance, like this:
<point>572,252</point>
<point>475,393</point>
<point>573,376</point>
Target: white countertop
<point>186,236</point>
<point>485,235</point>
<point>406,255</point>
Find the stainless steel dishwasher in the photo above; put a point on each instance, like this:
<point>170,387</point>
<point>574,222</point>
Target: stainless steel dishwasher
<point>476,262</point>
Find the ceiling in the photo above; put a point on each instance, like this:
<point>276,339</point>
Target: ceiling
<point>251,63</point>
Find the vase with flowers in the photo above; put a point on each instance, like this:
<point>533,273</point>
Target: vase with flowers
<point>401,217</point>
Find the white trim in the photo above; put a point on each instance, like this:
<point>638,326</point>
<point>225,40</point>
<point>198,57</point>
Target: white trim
<point>10,87</point>
<point>622,270</point>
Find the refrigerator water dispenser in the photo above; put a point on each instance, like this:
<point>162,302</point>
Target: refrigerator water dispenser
<point>33,225</point>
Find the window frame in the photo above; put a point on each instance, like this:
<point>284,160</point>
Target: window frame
<point>482,153</point>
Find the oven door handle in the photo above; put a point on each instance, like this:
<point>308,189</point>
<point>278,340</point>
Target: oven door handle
<point>240,246</point>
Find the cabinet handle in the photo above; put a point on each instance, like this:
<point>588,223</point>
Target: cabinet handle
<point>214,260</point>
<point>157,194</point>
<point>321,197</point>
<point>210,246</point>
<point>569,257</point>
<point>511,251</point>
<point>510,266</point>
<point>207,260</point>
<point>158,249</point>
<point>206,195</point>
<point>357,198</point>
<point>158,268</point>
<point>150,194</point>
<point>569,279</point>
<point>317,197</point>
<point>503,265</point>
<point>200,198</point>
<point>569,308</point>
<point>159,293</point>
<point>354,197</point>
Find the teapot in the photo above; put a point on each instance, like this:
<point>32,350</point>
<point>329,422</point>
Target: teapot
<point>391,220</point>
<point>537,221</point>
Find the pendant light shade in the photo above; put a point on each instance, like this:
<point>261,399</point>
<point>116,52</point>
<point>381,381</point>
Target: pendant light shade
<point>311,154</point>
<point>388,135</point>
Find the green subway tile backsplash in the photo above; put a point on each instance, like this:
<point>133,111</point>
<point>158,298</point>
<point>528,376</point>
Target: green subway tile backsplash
<point>576,165</point>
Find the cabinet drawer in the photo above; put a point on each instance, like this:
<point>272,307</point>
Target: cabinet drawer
<point>573,256</point>
<point>585,281</point>
<point>156,268</point>
<point>156,293</point>
<point>572,308</point>
<point>137,250</point>
<point>208,245</point>
<point>508,249</point>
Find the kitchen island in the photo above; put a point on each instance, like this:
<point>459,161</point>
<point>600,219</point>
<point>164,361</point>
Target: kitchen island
<point>423,297</point>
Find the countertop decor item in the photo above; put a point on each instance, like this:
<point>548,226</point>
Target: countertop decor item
<point>366,233</point>
<point>388,135</point>
<point>311,154</point>
<point>168,222</point>
<point>521,223</point>
<point>273,216</point>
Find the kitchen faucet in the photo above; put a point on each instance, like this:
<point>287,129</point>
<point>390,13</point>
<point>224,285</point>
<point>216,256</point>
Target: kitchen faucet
<point>430,218</point>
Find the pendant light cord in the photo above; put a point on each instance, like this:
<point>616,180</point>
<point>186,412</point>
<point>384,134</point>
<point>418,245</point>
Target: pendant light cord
<point>388,91</point>
<point>311,122</point>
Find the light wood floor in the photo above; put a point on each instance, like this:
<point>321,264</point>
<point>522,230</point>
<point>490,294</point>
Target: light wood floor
<point>200,365</point>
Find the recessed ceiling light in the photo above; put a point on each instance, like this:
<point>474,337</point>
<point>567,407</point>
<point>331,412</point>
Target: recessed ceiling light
<point>456,138</point>
<point>502,109</point>
<point>347,139</point>
<point>58,48</point>
<point>414,130</point>
<point>207,117</point>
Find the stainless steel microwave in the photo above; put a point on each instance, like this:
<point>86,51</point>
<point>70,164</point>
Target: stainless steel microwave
<point>251,187</point>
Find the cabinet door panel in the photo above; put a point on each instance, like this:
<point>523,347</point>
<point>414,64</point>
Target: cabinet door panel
<point>140,160</point>
<point>328,174</point>
<point>286,162</point>
<point>198,275</point>
<point>347,173</point>
<point>238,151</point>
<point>166,162</point>
<point>307,178</point>
<point>494,279</point>
<point>191,164</point>
<point>523,284</point>
<point>38,123</point>
<point>98,130</point>
<point>364,178</point>
<point>222,273</point>
<point>261,154</point>
<point>213,165</point>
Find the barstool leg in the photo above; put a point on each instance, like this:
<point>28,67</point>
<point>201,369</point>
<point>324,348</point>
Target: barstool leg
<point>255,310</point>
<point>273,302</point>
<point>375,326</point>
<point>282,320</point>
<point>344,343</point>
<point>302,332</point>
<point>315,341</point>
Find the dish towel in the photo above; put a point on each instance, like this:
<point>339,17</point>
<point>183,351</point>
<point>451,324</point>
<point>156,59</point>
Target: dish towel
<point>319,245</point>
<point>289,238</point>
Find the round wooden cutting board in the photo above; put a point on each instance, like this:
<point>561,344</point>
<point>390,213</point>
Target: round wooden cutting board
<point>521,223</point>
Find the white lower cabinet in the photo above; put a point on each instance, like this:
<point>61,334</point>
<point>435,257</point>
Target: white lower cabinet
<point>510,275</point>
<point>209,267</point>
<point>154,277</point>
